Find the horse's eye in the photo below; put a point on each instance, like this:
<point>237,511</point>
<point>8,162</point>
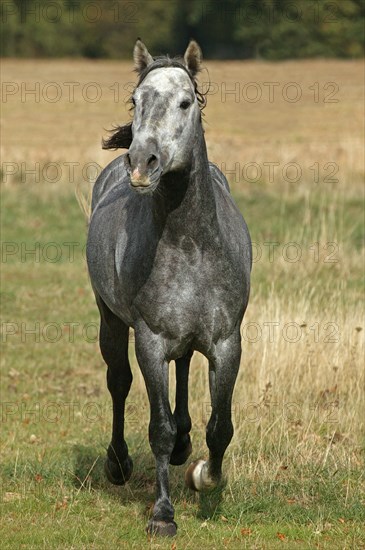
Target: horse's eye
<point>185,104</point>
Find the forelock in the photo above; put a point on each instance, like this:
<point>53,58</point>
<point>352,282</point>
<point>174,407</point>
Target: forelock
<point>164,62</point>
<point>167,62</point>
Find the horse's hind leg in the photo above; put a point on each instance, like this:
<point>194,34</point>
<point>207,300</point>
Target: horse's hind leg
<point>114,349</point>
<point>222,376</point>
<point>182,448</point>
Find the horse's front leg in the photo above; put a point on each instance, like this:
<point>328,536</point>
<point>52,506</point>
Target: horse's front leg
<point>183,447</point>
<point>223,369</point>
<point>162,428</point>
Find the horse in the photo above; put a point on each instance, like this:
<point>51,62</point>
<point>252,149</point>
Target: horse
<point>169,255</point>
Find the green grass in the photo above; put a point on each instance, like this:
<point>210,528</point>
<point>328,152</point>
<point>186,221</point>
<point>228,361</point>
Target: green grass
<point>288,484</point>
<point>64,499</point>
<point>307,508</point>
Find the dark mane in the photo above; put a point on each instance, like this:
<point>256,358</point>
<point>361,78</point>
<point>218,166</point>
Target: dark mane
<point>121,137</point>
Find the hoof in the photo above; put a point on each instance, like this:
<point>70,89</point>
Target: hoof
<point>162,528</point>
<point>180,457</point>
<point>189,475</point>
<point>118,474</point>
<point>196,477</point>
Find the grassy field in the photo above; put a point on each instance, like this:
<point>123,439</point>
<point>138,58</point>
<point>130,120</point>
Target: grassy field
<point>295,467</point>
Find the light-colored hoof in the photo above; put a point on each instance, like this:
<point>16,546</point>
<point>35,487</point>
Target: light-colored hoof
<point>197,478</point>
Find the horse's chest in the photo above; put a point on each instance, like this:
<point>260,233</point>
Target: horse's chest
<point>186,297</point>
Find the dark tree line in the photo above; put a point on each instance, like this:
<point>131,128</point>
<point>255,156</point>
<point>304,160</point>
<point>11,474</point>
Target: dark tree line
<point>242,29</point>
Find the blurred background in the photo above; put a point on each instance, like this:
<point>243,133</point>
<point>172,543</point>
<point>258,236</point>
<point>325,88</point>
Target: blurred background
<point>230,29</point>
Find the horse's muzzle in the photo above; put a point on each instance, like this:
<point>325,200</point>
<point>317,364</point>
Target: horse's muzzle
<point>144,174</point>
<point>138,179</point>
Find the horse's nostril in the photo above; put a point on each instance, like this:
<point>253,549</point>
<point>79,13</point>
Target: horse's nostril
<point>151,159</point>
<point>128,159</point>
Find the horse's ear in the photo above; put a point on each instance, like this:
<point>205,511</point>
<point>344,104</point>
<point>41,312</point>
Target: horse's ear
<point>193,57</point>
<point>142,57</point>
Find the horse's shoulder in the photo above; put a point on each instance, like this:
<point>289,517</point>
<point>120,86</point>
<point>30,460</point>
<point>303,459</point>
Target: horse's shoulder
<point>218,176</point>
<point>109,178</point>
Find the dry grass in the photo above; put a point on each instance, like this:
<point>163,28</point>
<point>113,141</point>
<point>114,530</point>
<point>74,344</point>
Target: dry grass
<point>310,130</point>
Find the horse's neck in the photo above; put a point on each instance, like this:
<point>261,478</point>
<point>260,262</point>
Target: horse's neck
<point>186,202</point>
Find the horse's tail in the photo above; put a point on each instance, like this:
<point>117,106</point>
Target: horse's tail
<point>84,199</point>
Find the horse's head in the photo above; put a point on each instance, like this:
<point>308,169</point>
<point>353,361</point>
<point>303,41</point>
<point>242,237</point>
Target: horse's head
<point>167,117</point>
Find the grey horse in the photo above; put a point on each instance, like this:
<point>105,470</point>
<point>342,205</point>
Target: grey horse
<point>169,254</point>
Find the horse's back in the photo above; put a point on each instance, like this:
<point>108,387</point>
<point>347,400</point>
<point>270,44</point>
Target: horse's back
<point>232,222</point>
